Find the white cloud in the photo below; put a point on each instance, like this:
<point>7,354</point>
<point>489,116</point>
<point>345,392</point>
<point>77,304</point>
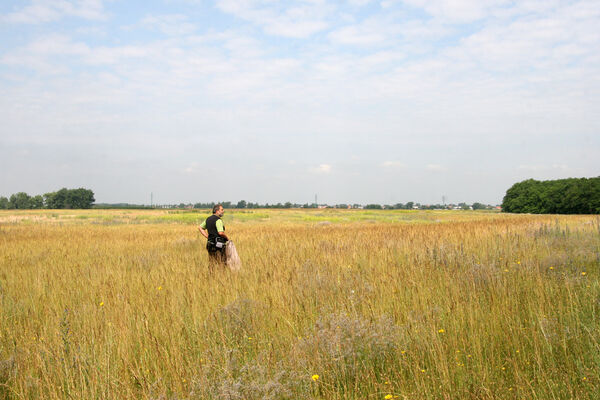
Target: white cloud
<point>393,164</point>
<point>299,20</point>
<point>359,3</point>
<point>192,168</point>
<point>457,11</point>
<point>354,35</point>
<point>40,11</point>
<point>435,168</point>
<point>171,25</point>
<point>321,169</point>
<point>549,168</point>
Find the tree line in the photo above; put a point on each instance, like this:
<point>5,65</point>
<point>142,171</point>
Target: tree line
<point>63,198</point>
<point>561,196</point>
<point>242,204</point>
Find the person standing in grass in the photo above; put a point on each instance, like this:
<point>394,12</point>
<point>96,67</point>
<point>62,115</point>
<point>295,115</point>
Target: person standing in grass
<point>213,229</point>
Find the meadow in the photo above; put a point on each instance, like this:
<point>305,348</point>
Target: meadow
<point>330,304</point>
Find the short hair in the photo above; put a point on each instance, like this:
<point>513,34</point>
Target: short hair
<point>216,207</point>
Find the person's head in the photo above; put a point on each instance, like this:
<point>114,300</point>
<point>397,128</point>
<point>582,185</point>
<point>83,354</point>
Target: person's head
<point>218,210</point>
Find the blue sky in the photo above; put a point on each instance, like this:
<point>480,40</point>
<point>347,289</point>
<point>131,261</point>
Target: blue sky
<point>357,101</point>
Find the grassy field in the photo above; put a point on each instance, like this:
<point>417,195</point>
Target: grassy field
<point>330,304</point>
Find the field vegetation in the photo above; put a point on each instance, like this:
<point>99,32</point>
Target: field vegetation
<point>330,304</point>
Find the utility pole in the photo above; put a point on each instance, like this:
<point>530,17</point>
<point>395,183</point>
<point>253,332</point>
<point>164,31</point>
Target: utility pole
<point>316,200</point>
<point>151,199</point>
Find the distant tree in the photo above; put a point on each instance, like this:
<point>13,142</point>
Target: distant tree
<point>81,198</point>
<point>287,205</point>
<point>373,207</point>
<point>241,204</point>
<point>20,201</point>
<point>409,205</point>
<point>3,203</point>
<point>479,206</point>
<point>69,198</point>
<point>37,202</point>
<point>463,206</point>
<point>56,200</point>
<point>50,200</point>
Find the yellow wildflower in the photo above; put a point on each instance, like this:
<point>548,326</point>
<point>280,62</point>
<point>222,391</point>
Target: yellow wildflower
<point>441,331</point>
<point>315,377</point>
<point>101,303</point>
<point>388,397</point>
<point>159,288</point>
<point>583,273</point>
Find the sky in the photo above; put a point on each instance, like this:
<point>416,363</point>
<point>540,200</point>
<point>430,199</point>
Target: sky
<point>354,101</point>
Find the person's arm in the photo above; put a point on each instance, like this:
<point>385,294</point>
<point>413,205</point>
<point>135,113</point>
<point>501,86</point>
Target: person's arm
<point>221,230</point>
<point>202,229</point>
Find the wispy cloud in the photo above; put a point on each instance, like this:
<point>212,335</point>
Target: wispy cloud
<point>460,11</point>
<point>321,169</point>
<point>40,11</point>
<point>435,168</point>
<point>393,164</point>
<point>171,25</point>
<point>548,167</point>
<point>192,168</point>
<point>297,20</point>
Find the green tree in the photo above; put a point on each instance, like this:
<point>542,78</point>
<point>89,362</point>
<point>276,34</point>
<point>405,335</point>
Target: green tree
<point>20,201</point>
<point>463,206</point>
<point>479,206</point>
<point>80,198</point>
<point>69,198</point>
<point>241,204</point>
<point>37,202</point>
<point>4,203</point>
<point>50,200</point>
<point>562,196</point>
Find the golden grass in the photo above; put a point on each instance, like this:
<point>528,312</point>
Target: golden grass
<point>120,304</point>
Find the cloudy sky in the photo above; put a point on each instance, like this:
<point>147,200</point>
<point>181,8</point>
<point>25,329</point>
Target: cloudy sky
<point>271,101</point>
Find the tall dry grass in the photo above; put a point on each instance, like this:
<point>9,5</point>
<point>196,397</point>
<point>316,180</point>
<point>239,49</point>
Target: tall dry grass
<point>449,305</point>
